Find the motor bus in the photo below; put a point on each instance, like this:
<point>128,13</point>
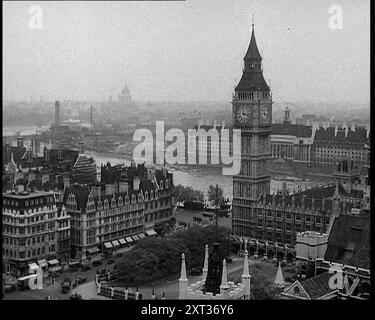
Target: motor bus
<point>23,282</point>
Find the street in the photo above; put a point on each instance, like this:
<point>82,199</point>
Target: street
<point>55,289</point>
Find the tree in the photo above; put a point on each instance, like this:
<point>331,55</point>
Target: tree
<point>154,258</point>
<point>184,194</point>
<point>215,194</point>
<point>262,288</point>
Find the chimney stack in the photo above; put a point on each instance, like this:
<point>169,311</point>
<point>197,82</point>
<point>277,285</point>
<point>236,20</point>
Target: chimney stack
<point>136,183</point>
<point>109,189</point>
<point>57,114</point>
<point>66,182</point>
<point>123,187</point>
<point>20,142</point>
<point>200,123</point>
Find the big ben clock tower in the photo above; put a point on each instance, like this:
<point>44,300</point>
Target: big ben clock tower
<point>252,113</point>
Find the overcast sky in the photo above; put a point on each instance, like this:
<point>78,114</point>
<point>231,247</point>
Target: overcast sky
<point>185,51</point>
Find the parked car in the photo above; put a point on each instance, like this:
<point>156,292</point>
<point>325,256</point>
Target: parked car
<point>81,279</point>
<point>75,296</point>
<point>75,264</point>
<point>9,288</point>
<point>66,284</point>
<point>85,268</point>
<point>96,263</point>
<point>228,260</point>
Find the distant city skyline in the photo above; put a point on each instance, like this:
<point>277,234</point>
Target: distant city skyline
<point>185,51</point>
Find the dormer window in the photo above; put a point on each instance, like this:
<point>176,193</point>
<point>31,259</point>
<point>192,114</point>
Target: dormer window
<point>113,203</point>
<point>120,201</point>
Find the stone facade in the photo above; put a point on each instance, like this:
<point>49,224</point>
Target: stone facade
<point>32,228</point>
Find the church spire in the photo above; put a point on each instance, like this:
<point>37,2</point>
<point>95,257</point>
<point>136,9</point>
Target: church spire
<point>224,277</point>
<point>205,265</point>
<point>252,52</point>
<point>183,281</point>
<point>279,281</point>
<point>246,276</point>
<point>245,272</point>
<point>224,287</point>
<point>183,269</point>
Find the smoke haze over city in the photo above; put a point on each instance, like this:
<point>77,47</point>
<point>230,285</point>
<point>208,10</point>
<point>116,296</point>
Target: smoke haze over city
<point>185,51</point>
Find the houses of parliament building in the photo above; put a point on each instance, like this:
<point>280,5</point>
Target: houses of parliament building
<point>269,223</point>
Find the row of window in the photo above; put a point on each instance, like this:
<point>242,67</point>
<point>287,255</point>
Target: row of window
<point>34,219</point>
<point>287,226</point>
<point>38,201</point>
<point>32,253</point>
<point>243,213</point>
<point>29,230</point>
<point>34,240</point>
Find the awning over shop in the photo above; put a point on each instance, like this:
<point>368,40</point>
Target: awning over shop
<point>93,250</point>
<point>129,239</point>
<point>115,243</point>
<point>151,232</point>
<point>108,245</point>
<point>141,235</point>
<point>122,241</point>
<point>53,262</point>
<point>135,238</point>
<point>43,263</point>
<point>33,266</point>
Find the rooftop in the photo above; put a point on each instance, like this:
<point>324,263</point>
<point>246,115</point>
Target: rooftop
<point>317,286</point>
<point>25,194</point>
<point>298,130</point>
<point>349,241</point>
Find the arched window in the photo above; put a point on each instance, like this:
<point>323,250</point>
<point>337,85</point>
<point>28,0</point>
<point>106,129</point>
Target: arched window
<point>296,290</point>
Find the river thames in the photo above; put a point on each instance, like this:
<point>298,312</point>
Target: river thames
<point>200,178</point>
<point>197,177</point>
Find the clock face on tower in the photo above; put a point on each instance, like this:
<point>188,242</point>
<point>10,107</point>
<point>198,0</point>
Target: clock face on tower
<point>264,114</point>
<point>243,114</point>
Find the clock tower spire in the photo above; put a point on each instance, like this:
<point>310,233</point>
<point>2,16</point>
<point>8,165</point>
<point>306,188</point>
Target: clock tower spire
<point>252,113</point>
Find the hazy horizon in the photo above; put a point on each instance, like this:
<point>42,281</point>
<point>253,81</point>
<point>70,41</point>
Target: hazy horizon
<point>185,51</point>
